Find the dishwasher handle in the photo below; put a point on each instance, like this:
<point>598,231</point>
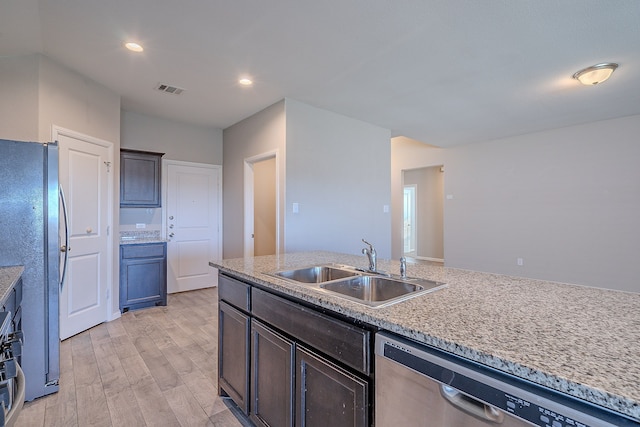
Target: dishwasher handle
<point>471,405</point>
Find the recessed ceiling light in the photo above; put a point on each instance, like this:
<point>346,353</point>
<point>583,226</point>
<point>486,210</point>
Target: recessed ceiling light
<point>244,81</point>
<point>134,47</point>
<point>595,74</point>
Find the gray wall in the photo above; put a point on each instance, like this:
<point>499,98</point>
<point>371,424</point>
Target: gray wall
<point>335,168</point>
<point>38,93</point>
<point>261,133</point>
<point>19,93</point>
<point>179,141</point>
<point>564,200</point>
<point>338,171</point>
<point>72,101</point>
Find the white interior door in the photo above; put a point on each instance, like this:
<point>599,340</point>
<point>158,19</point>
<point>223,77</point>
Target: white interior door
<point>83,176</point>
<point>192,217</point>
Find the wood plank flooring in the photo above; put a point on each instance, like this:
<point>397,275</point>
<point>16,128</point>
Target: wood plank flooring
<point>151,367</point>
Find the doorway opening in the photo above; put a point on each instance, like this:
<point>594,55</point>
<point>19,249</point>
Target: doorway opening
<point>409,220</point>
<point>261,213</point>
<point>423,213</point>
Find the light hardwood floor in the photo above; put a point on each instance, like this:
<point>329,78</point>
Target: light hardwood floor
<point>151,367</point>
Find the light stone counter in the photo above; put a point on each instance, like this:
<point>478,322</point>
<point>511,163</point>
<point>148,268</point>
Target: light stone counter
<point>141,237</point>
<point>579,340</point>
<point>9,276</point>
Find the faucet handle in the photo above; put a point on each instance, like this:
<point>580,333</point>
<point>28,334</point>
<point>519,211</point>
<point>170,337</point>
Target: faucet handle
<point>371,248</point>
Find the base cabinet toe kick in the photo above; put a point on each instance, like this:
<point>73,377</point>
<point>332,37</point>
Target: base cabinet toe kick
<point>285,363</point>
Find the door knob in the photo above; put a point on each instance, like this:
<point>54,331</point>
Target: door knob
<point>170,225</point>
<point>171,217</point>
<point>171,234</point>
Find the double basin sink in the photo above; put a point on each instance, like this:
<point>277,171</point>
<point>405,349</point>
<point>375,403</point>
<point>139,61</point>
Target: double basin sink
<point>369,288</point>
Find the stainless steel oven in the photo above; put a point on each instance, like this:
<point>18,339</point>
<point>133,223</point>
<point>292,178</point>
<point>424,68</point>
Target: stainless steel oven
<point>12,381</point>
<point>417,385</point>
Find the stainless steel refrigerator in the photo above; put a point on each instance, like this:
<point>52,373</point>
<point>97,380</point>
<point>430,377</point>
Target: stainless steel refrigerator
<point>29,223</point>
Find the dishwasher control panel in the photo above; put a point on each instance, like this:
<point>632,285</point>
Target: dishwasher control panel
<point>538,415</point>
<point>493,395</point>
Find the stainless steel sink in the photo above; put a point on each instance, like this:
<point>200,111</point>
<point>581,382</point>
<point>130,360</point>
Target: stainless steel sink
<point>377,291</point>
<point>371,289</point>
<point>317,274</point>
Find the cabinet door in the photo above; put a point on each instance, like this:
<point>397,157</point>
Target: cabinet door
<point>143,276</point>
<point>326,395</point>
<point>271,377</point>
<point>139,179</point>
<point>233,355</point>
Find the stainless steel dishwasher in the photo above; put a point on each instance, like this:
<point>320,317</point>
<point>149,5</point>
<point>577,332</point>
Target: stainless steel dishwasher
<point>417,385</point>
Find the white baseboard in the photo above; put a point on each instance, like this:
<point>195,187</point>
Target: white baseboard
<point>426,258</point>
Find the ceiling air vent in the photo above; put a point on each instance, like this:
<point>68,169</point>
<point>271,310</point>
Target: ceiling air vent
<point>169,89</point>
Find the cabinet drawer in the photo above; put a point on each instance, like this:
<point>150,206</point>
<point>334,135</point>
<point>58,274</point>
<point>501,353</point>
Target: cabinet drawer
<point>340,340</point>
<point>234,292</point>
<point>154,250</point>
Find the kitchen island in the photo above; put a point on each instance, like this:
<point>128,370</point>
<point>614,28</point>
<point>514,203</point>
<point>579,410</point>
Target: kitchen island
<point>578,340</point>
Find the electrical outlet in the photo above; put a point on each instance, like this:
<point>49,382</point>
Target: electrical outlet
<point>520,261</point>
<point>141,225</point>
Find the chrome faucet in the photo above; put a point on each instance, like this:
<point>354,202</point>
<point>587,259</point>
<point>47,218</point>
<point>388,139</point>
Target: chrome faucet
<point>403,267</point>
<point>371,254</point>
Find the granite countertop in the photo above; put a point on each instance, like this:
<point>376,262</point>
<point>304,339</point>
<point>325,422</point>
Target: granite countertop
<point>578,340</point>
<point>141,237</point>
<point>8,278</point>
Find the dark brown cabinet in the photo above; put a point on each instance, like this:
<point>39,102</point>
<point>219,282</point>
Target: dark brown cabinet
<point>233,357</point>
<point>272,362</point>
<point>140,179</point>
<point>143,275</point>
<point>327,395</point>
<point>306,368</point>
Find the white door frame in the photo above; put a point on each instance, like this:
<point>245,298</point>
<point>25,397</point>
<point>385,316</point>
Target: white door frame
<point>165,184</point>
<point>248,199</point>
<point>113,292</point>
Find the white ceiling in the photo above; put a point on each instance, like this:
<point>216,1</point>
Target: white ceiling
<point>442,72</point>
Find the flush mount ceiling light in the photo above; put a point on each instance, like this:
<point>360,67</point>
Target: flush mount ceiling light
<point>595,74</point>
<point>244,81</point>
<point>134,47</point>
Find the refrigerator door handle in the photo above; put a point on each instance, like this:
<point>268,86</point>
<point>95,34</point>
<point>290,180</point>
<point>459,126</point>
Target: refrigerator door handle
<point>64,248</point>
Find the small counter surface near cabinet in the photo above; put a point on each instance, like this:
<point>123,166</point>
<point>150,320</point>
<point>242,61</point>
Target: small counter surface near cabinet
<point>578,340</point>
<point>141,237</point>
<point>9,276</point>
